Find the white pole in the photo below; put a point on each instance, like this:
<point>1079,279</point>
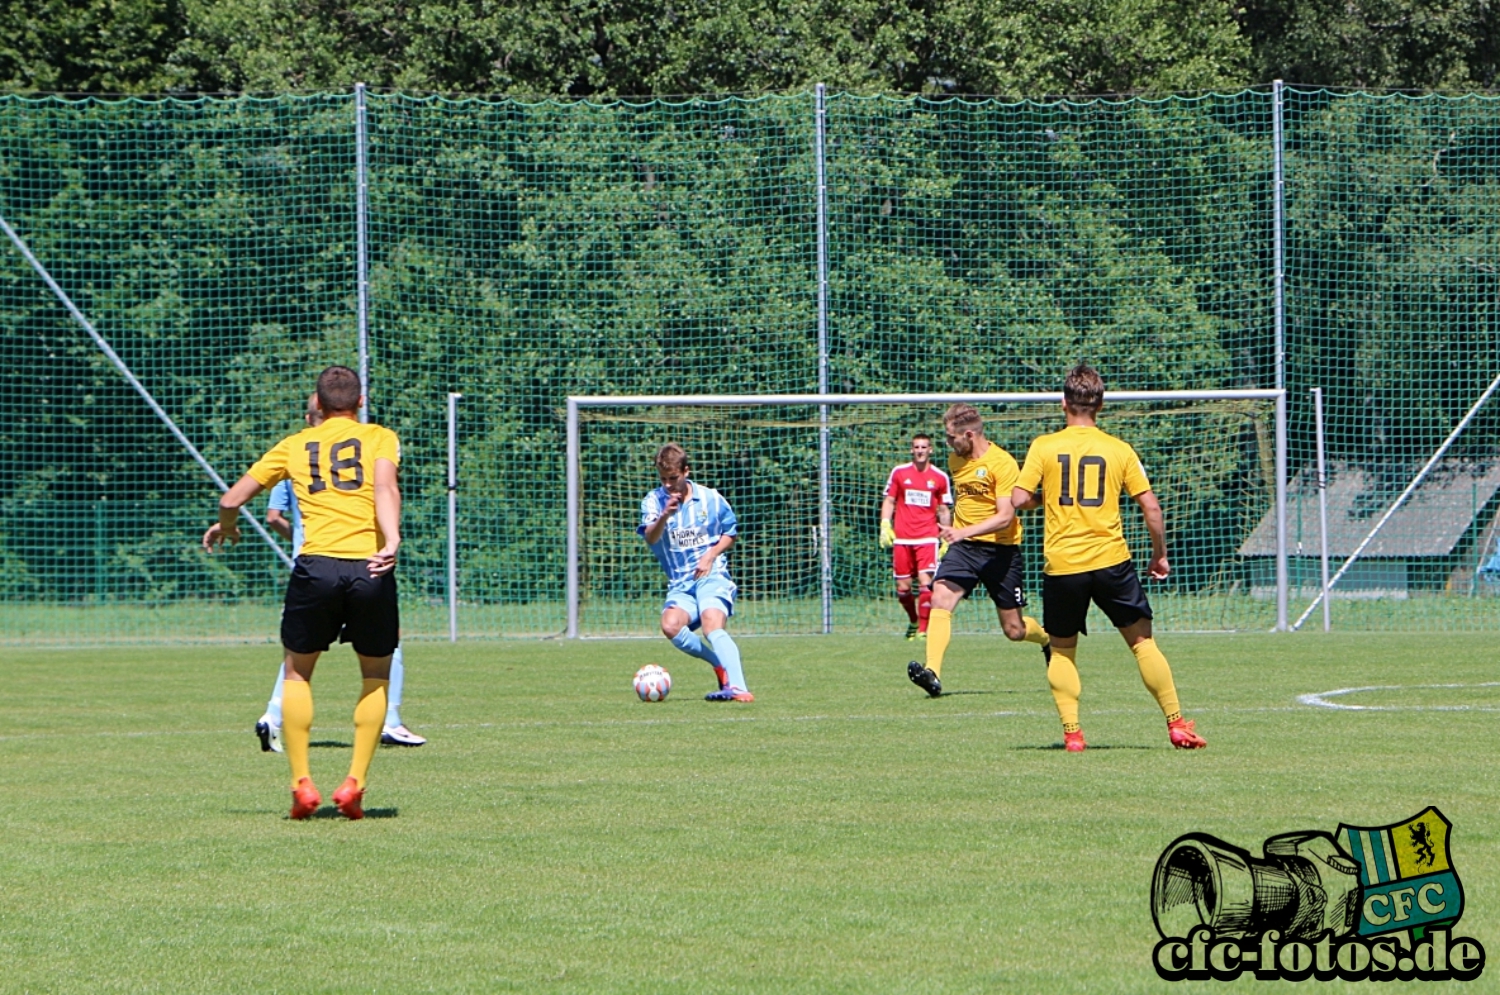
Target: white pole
<point>1410,489</point>
<point>453,516</point>
<point>361,244</point>
<point>574,495</point>
<point>140,388</point>
<point>1282,585</point>
<point>1317,393</point>
<point>1278,234</point>
<point>825,487</point>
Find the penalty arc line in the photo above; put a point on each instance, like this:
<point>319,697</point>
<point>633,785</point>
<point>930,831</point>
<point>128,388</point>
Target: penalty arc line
<point>1320,699</point>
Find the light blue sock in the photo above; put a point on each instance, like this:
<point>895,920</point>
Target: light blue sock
<point>273,707</point>
<point>393,692</point>
<point>687,640</point>
<point>729,658</point>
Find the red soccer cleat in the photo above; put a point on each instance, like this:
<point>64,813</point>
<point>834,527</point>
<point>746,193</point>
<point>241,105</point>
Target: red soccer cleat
<point>1183,736</point>
<point>1073,741</point>
<point>305,799</point>
<point>348,798</point>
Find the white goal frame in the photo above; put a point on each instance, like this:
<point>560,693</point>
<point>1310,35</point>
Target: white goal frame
<point>822,401</point>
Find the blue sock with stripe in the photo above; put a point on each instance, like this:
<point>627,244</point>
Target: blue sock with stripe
<point>687,640</point>
<point>729,658</point>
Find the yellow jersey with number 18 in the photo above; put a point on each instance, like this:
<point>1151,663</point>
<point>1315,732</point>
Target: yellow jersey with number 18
<point>1081,472</point>
<point>332,469</point>
<point>976,484</point>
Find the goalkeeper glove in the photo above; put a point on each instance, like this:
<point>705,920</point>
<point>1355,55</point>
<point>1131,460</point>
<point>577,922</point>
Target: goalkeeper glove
<point>887,534</point>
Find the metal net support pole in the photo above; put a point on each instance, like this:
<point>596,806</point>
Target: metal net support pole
<point>1317,395</point>
<point>453,516</point>
<point>1278,230</point>
<point>362,244</point>
<point>574,494</point>
<point>825,486</point>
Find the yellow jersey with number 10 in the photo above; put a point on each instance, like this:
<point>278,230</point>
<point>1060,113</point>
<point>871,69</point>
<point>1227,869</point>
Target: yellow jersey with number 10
<point>1081,472</point>
<point>332,468</point>
<point>976,484</point>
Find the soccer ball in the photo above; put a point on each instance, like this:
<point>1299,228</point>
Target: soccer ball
<point>652,682</point>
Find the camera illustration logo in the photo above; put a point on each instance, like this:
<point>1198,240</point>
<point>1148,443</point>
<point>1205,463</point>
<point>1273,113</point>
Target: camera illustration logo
<point>1378,903</point>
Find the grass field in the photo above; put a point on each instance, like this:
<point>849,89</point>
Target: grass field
<point>844,833</point>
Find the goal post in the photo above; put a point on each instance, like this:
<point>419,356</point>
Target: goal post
<point>1238,436</point>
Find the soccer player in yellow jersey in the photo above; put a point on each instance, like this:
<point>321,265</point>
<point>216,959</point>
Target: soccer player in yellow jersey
<point>984,545</point>
<point>343,585</point>
<point>1077,475</point>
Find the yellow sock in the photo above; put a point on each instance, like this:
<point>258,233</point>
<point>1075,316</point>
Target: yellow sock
<point>1034,631</point>
<point>296,726</point>
<point>1062,675</point>
<point>939,631</point>
<point>369,718</point>
<point>1157,676</point>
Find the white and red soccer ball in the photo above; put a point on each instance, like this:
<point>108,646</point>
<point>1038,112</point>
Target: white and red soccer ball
<point>652,683</point>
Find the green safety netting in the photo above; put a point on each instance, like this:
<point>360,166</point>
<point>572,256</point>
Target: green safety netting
<point>522,252</point>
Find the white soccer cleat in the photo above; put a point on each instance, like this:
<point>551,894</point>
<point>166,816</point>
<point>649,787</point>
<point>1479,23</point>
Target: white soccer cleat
<point>270,735</point>
<point>400,736</point>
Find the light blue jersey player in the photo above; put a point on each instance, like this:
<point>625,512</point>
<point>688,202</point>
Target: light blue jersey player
<point>285,519</point>
<point>689,528</point>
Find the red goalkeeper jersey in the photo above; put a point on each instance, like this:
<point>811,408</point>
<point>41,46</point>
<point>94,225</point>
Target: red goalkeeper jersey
<point>917,494</point>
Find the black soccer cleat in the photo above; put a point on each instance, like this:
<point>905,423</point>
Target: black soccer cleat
<point>924,678</point>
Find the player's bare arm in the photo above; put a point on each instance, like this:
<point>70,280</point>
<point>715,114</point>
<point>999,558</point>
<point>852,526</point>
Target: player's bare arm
<point>1155,524</point>
<point>706,561</point>
<point>279,523</point>
<point>1023,500</point>
<point>227,528</point>
<point>944,514</point>
<point>1001,520</point>
<point>656,528</point>
<point>387,517</point>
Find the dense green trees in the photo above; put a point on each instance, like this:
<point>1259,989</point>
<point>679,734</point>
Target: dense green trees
<point>586,48</point>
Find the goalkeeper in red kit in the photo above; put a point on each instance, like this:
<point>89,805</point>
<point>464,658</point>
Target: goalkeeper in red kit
<point>918,499</point>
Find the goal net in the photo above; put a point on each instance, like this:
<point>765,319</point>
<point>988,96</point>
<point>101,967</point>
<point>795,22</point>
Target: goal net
<point>806,482</point>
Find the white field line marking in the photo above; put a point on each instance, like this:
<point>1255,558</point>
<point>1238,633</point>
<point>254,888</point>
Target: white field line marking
<point>1320,699</point>
<point>244,732</point>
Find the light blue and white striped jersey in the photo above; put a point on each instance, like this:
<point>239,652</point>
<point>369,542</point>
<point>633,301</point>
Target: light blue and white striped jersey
<point>701,521</point>
<point>284,500</point>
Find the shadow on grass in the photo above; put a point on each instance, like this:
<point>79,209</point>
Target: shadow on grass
<point>955,694</point>
<point>329,812</point>
<point>1058,747</point>
<point>330,744</point>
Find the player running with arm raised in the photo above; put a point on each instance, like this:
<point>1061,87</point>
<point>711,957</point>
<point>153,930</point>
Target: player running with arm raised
<point>689,528</point>
<point>984,545</point>
<point>918,501</point>
<point>343,585</point>
<point>1077,475</point>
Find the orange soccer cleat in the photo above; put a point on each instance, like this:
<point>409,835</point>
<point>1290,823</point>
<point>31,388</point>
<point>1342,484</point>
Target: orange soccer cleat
<point>305,799</point>
<point>348,798</point>
<point>1183,736</point>
<point>1073,742</point>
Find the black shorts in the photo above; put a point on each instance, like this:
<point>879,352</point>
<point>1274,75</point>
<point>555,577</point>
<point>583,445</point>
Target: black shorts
<point>329,598</point>
<point>1116,590</point>
<point>1002,569</point>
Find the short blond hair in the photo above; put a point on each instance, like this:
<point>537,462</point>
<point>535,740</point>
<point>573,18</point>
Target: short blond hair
<point>963,418</point>
<point>671,457</point>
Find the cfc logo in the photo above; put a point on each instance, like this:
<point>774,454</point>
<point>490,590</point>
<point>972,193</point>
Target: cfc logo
<point>1378,903</point>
